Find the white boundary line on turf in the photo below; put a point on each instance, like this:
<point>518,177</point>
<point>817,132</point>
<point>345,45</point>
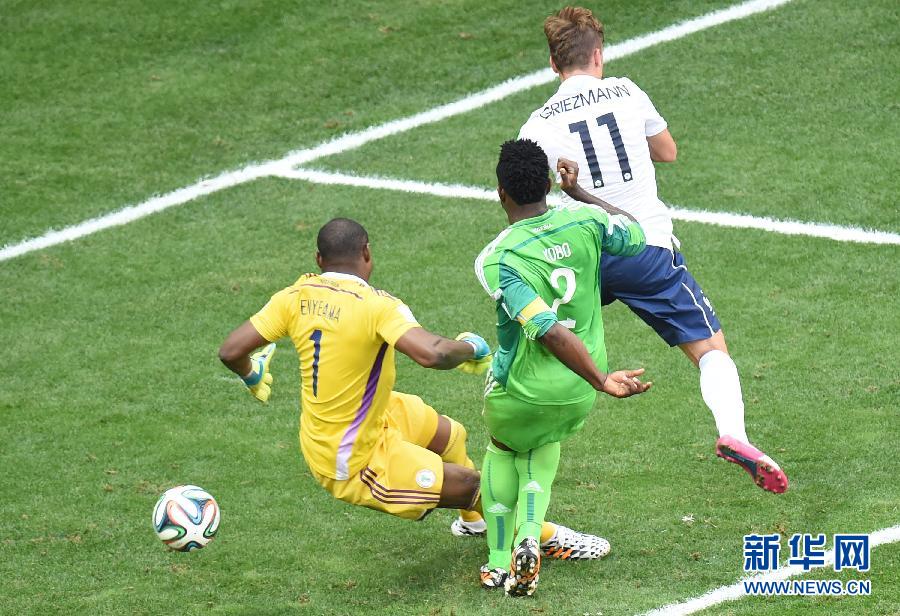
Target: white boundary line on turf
<point>355,140</point>
<point>736,591</point>
<point>739,221</point>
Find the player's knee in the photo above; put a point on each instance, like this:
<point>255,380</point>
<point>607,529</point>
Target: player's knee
<point>455,450</point>
<point>696,349</point>
<point>472,488</point>
<point>461,487</point>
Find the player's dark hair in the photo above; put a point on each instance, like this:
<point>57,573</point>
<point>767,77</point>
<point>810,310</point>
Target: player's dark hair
<point>341,240</point>
<point>523,170</point>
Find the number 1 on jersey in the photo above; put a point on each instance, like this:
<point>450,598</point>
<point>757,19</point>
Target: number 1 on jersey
<point>316,337</point>
<point>590,154</point>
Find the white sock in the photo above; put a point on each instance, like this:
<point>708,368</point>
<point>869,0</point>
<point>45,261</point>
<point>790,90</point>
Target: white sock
<point>721,390</point>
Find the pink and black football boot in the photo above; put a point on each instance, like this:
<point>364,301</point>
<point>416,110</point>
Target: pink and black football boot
<point>765,472</point>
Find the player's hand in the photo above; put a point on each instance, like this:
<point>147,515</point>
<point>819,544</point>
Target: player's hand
<point>479,344</point>
<point>624,383</point>
<point>259,381</point>
<point>568,174</point>
<point>482,359</point>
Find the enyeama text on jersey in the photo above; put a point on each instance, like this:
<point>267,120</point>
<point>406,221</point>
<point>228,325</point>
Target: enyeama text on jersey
<point>603,125</point>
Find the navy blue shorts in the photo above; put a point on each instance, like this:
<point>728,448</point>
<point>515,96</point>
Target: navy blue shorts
<point>658,287</point>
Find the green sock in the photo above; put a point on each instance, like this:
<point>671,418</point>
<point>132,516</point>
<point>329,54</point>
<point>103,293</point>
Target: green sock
<point>537,469</point>
<point>499,487</point>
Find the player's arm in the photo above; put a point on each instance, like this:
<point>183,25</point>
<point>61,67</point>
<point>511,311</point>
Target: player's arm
<point>398,326</point>
<point>656,129</point>
<point>662,147</point>
<point>235,351</point>
<point>539,322</point>
<point>624,235</point>
<point>570,350</point>
<point>568,173</point>
<point>267,325</point>
<point>433,351</point>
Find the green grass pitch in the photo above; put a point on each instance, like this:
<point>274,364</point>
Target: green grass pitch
<point>112,391</point>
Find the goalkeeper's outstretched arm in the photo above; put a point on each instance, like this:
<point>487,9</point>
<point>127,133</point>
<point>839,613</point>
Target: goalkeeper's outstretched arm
<point>434,351</point>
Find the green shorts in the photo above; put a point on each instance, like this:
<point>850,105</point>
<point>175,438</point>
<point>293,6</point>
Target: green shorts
<point>522,425</point>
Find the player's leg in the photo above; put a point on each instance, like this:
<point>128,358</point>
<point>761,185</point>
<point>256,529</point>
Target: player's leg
<point>499,492</point>
<point>420,424</point>
<point>449,442</point>
<point>720,387</point>
<point>398,478</point>
<point>521,426</point>
<point>460,489</point>
<point>720,384</point>
<point>536,470</point>
<point>658,287</point>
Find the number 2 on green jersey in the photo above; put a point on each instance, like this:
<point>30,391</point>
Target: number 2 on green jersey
<point>568,276</point>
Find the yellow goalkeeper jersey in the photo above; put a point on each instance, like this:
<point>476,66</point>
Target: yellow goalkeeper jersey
<point>344,331</point>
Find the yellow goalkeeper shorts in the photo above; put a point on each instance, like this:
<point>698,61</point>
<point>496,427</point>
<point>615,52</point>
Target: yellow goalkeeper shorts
<point>401,477</point>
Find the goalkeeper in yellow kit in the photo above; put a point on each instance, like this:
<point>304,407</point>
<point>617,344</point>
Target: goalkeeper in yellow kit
<point>364,443</point>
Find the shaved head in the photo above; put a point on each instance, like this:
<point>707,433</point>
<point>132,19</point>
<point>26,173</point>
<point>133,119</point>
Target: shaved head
<point>341,240</point>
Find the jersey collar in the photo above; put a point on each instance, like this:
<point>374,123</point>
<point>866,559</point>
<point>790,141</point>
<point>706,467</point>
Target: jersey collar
<point>576,82</point>
<point>343,276</point>
<point>534,220</point>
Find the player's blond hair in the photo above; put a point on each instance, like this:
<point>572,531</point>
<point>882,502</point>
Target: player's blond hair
<point>572,34</point>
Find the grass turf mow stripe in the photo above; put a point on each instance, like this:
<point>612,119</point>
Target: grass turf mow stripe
<point>355,140</point>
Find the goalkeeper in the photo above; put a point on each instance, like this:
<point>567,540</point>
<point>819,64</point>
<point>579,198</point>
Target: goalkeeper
<point>542,271</point>
<point>364,443</point>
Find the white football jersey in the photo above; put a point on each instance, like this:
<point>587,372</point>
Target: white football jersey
<point>603,125</point>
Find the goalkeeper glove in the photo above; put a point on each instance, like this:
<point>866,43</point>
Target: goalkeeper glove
<point>259,380</point>
<point>482,360</point>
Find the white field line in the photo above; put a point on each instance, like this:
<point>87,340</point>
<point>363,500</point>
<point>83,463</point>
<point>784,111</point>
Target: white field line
<point>526,82</point>
<point>736,591</point>
<point>135,212</point>
<point>740,221</point>
<point>355,140</point>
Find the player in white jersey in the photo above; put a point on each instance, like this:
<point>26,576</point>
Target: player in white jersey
<point>609,127</point>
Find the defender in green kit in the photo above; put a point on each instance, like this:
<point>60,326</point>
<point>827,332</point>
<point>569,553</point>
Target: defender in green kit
<point>543,272</point>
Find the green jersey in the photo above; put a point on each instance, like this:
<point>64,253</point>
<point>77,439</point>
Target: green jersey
<point>544,270</point>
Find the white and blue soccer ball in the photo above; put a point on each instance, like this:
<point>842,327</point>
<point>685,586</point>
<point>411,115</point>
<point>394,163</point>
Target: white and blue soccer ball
<point>186,518</point>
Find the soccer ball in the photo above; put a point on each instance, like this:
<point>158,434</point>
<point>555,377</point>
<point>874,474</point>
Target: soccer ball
<point>186,518</point>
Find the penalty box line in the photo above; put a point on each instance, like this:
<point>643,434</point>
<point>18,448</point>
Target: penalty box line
<point>723,219</point>
<point>350,141</point>
<point>736,591</point>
